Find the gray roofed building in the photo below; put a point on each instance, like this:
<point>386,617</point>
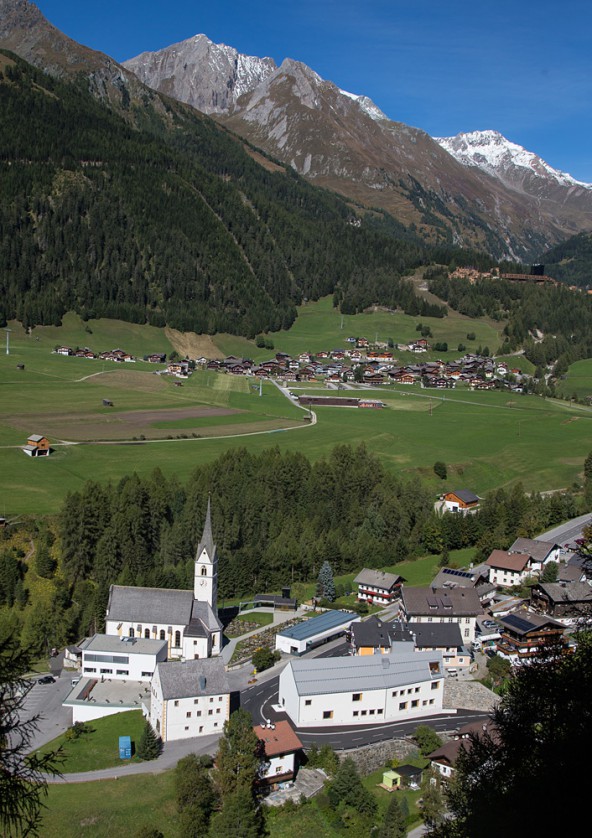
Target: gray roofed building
<point>341,675</point>
<point>192,678</point>
<point>149,605</point>
<point>540,551</point>
<point>559,599</point>
<point>110,643</point>
<point>450,577</point>
<point>377,579</point>
<point>441,602</point>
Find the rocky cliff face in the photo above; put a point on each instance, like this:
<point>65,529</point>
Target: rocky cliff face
<point>208,76</point>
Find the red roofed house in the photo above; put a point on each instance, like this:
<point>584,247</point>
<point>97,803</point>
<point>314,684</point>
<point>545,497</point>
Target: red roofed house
<point>509,569</point>
<point>281,745</point>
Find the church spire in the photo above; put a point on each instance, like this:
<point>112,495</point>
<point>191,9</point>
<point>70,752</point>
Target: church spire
<point>207,539</point>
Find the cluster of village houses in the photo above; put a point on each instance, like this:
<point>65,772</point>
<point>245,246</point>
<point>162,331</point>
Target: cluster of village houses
<point>378,366</point>
<point>161,648</point>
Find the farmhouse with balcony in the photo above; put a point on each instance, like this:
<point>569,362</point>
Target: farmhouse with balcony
<point>540,552</point>
<point>562,600</point>
<point>524,634</point>
<point>376,586</point>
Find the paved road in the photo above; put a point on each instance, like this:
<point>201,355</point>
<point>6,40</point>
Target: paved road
<point>568,532</point>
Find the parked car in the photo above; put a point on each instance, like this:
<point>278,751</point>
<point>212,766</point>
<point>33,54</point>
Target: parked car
<point>46,679</point>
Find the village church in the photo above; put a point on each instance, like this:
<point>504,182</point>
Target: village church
<point>187,620</point>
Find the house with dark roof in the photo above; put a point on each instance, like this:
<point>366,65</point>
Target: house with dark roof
<point>442,637</point>
<point>370,637</point>
<point>524,634</point>
<point>187,620</point>
<point>189,698</point>
<point>461,500</point>
<point>443,605</point>
<point>571,600</point>
<point>376,586</point>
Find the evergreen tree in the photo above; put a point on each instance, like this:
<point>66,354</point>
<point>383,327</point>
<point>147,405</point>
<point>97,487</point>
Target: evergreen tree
<point>240,816</point>
<point>195,796</point>
<point>239,756</point>
<point>393,824</point>
<point>23,776</point>
<point>346,789</point>
<point>326,585</point>
<point>150,744</point>
<point>44,564</point>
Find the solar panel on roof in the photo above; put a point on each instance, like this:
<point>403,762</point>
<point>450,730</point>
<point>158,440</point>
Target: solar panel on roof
<point>518,623</point>
<point>452,572</point>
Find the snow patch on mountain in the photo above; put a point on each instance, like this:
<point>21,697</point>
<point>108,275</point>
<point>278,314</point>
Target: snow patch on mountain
<point>498,156</point>
<point>366,104</point>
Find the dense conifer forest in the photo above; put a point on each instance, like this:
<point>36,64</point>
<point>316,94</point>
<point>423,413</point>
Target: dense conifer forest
<point>175,223</point>
<point>276,519</point>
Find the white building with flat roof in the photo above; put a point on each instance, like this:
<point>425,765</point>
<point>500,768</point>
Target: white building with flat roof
<point>121,658</point>
<point>362,690</point>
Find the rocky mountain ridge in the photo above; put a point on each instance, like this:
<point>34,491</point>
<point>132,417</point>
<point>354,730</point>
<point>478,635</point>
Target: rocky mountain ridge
<point>344,142</point>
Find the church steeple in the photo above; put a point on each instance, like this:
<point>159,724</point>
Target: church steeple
<point>205,588</point>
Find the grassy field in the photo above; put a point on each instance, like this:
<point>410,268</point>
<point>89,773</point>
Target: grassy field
<point>487,439</point>
<point>99,748</point>
<point>578,380</point>
<point>111,808</point>
<point>321,327</point>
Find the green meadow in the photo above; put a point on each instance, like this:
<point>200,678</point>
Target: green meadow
<point>578,380</point>
<point>487,439</point>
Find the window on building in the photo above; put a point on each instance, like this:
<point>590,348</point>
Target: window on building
<point>186,727</point>
<point>357,697</point>
<point>188,714</point>
<point>370,712</point>
<point>394,694</point>
<point>402,705</point>
<point>435,685</point>
<point>176,703</point>
<point>147,674</point>
<point>356,712</point>
<point>122,672</point>
<point>379,712</point>
<point>132,632</point>
<point>327,714</point>
<point>364,713</point>
<point>177,638</point>
<point>210,712</point>
<point>417,689</point>
<point>204,571</point>
<point>198,712</point>
<point>162,635</point>
<point>307,702</point>
<point>415,702</point>
<point>196,700</point>
<point>467,632</point>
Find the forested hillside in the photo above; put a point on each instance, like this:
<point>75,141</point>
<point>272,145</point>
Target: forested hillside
<point>553,324</point>
<point>276,518</point>
<point>176,223</point>
<point>571,261</point>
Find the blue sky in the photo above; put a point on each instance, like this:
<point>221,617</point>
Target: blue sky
<point>517,66</point>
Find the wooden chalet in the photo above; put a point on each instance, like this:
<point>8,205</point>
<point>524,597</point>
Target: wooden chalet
<point>524,634</point>
<point>37,446</point>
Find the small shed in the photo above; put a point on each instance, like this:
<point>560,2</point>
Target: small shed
<point>391,780</point>
<point>125,747</point>
<point>37,446</point>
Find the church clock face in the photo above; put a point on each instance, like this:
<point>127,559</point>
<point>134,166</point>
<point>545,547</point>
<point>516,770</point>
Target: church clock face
<point>203,582</point>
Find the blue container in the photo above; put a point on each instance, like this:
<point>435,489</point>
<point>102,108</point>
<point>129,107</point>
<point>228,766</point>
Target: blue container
<point>125,747</point>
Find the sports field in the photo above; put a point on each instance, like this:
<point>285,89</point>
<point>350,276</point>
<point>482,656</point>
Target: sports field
<point>487,439</point>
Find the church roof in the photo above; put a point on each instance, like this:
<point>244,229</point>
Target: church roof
<point>203,620</point>
<point>207,539</point>
<point>149,605</point>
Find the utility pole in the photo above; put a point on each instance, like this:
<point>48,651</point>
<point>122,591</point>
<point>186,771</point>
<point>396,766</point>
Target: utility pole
<point>8,331</point>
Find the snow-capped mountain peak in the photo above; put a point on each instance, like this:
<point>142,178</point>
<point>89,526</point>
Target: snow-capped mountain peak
<point>491,151</point>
